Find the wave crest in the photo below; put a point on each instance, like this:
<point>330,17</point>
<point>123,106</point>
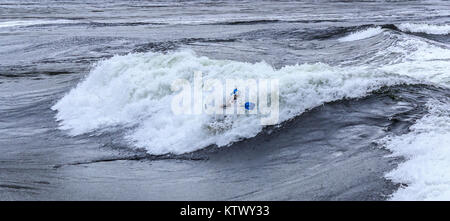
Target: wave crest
<point>362,34</point>
<point>134,90</point>
<point>425,28</point>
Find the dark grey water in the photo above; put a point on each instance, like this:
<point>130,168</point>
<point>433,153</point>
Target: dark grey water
<point>327,153</point>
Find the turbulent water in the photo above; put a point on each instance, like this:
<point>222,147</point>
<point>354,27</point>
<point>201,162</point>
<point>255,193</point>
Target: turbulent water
<point>85,90</point>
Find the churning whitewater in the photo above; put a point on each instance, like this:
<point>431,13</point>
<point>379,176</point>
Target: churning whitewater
<point>86,101</point>
<point>135,91</point>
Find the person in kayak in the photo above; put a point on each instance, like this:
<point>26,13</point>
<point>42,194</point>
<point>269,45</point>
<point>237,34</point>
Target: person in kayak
<point>234,98</point>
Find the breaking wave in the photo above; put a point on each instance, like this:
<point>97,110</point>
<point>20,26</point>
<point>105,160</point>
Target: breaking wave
<point>425,28</point>
<point>134,90</point>
<point>362,34</point>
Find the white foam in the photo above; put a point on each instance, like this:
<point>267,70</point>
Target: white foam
<point>9,24</point>
<point>427,147</point>
<point>419,59</point>
<point>425,28</point>
<point>363,34</point>
<point>134,90</point>
<point>427,150</point>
